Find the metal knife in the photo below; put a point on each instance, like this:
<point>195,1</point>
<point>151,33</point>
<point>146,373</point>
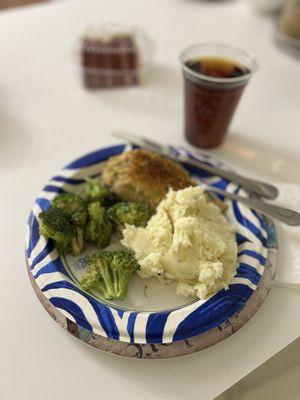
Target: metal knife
<point>252,186</point>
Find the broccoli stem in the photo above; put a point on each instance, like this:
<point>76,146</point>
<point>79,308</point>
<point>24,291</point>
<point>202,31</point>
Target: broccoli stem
<point>99,228</point>
<point>108,279</point>
<point>108,272</point>
<point>78,242</point>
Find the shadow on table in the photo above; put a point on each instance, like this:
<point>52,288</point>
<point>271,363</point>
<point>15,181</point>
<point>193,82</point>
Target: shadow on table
<point>178,378</point>
<point>160,94</point>
<point>259,159</point>
<point>272,380</point>
<point>168,379</point>
<point>16,141</point>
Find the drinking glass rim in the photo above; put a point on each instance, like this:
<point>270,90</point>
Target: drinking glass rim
<point>236,79</point>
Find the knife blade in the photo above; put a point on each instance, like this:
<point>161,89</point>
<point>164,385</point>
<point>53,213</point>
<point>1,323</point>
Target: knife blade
<point>252,186</point>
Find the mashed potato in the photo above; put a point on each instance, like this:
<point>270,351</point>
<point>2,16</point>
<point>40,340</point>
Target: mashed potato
<point>187,240</point>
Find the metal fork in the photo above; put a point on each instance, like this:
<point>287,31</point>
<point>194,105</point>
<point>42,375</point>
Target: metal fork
<point>285,215</point>
<point>289,217</point>
<point>254,186</point>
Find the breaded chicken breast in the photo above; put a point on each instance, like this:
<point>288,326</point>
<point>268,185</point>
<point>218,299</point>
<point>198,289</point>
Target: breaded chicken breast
<point>141,175</point>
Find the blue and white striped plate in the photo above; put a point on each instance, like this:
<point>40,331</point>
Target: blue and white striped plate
<point>53,277</point>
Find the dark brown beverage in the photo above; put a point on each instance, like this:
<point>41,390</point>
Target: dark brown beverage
<point>213,87</point>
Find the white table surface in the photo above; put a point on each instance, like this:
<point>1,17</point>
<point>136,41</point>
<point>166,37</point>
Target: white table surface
<point>47,119</point>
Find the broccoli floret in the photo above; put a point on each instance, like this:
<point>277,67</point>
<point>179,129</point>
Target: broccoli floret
<point>99,228</point>
<point>56,224</point>
<point>74,206</point>
<point>109,272</point>
<point>131,213</point>
<point>91,279</point>
<point>95,191</point>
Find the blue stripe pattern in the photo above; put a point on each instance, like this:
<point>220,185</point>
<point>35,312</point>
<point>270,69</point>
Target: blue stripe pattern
<point>95,157</point>
<point>248,224</point>
<point>201,316</point>
<point>43,203</point>
<point>104,314</point>
<point>248,272</point>
<point>54,189</point>
<point>70,181</point>
<point>43,254</point>
<point>72,308</point>
<point>53,266</point>
<point>155,327</point>
<point>253,254</point>
<point>227,302</point>
<point>34,233</point>
<point>130,325</point>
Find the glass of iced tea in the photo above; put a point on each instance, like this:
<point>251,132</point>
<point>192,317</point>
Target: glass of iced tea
<point>215,76</point>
